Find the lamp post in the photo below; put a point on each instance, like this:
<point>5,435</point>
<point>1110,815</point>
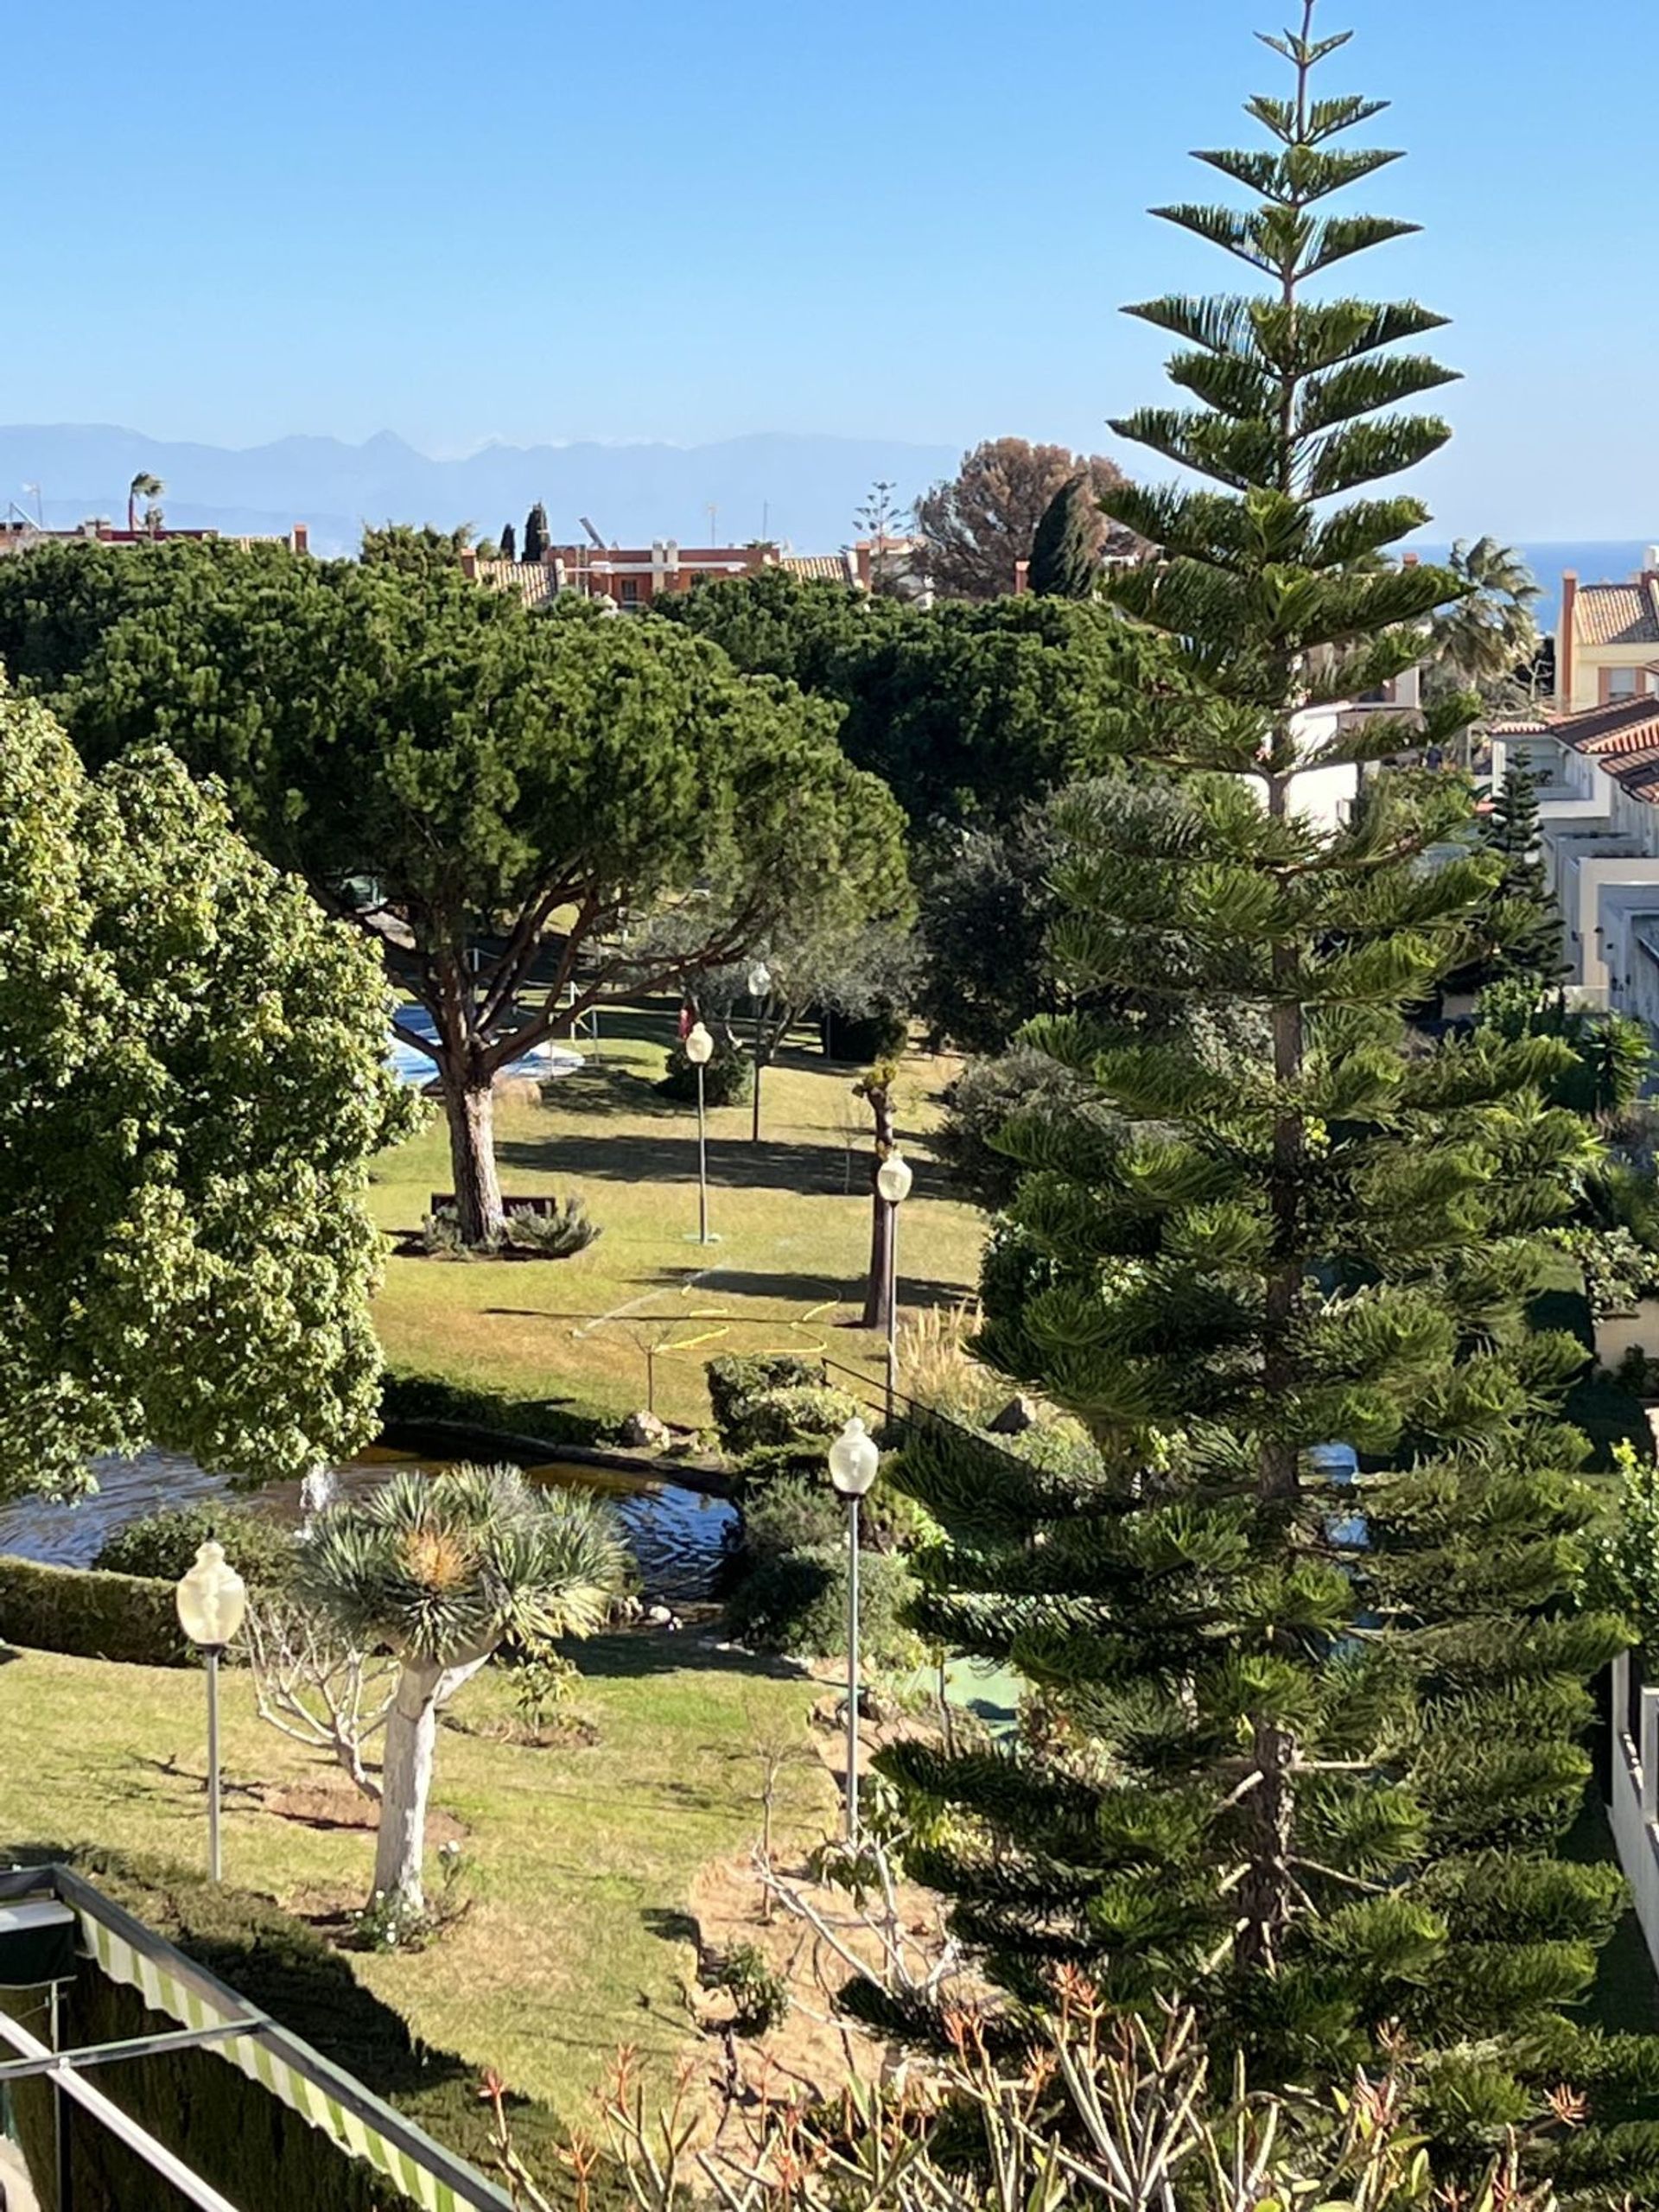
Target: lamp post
<point>211,1599</point>
<point>893,1180</point>
<point>699,1050</point>
<point>759,991</point>
<point>853,1460</point>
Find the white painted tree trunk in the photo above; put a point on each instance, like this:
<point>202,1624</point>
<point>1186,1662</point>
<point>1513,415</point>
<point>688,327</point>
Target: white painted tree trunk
<point>406,1778</point>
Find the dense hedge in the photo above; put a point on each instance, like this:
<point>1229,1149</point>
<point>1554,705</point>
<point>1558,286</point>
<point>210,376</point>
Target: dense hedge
<point>165,1545</point>
<point>416,1398</point>
<point>734,1381</point>
<point>91,1615</point>
<point>250,2147</point>
<point>798,1603</point>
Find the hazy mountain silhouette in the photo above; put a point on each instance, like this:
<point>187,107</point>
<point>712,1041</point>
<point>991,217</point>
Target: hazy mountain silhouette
<point>803,489</point>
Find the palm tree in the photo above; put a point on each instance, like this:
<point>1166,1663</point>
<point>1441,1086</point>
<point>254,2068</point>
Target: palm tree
<point>144,486</point>
<point>1479,644</point>
<point>443,1569</point>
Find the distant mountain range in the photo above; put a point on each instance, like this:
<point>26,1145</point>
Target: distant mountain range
<point>802,490</point>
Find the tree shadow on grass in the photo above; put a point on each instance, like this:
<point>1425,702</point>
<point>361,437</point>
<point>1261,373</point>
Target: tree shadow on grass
<point>809,1170</point>
<point>633,1657</point>
<point>809,1289</point>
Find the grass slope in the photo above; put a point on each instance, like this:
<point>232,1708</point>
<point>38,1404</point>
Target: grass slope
<point>579,1862</point>
<point>792,1214</point>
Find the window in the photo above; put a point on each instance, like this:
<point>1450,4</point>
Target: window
<point>1621,683</point>
<point>630,591</point>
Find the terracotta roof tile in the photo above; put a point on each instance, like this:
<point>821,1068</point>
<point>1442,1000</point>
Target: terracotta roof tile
<point>535,582</point>
<point>1616,614</point>
<point>826,568</point>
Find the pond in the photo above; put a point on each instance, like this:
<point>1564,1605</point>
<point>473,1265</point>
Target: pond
<point>678,1536</point>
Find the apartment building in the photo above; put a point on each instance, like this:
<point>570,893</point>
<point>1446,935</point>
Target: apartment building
<point>1607,641</point>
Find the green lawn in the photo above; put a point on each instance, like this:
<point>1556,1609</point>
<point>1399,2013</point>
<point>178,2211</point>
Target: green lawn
<point>580,1861</point>
<point>792,1214</point>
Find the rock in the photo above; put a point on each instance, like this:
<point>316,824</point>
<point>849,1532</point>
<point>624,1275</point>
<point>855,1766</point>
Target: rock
<point>1018,1415</point>
<point>644,1431</point>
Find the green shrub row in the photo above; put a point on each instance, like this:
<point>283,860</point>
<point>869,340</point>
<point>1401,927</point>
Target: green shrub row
<point>163,1546</point>
<point>412,1399</point>
<point>797,1603</point>
<point>89,1614</point>
<point>736,1379</point>
<point>251,2148</point>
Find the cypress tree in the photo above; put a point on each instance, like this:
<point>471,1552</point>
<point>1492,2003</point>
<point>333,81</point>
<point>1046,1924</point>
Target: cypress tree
<point>1302,1742</point>
<point>509,542</point>
<point>1066,550</point>
<point>535,532</point>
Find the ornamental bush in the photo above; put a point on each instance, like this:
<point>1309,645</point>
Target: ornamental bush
<point>165,1545</point>
<point>798,1603</point>
<point>726,1080</point>
<point>732,1380</point>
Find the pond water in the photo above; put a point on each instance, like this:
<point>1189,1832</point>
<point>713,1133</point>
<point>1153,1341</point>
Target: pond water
<point>678,1536</point>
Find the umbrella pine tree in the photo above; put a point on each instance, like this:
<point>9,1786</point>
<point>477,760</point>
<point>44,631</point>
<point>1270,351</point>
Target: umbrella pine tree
<point>1301,1741</point>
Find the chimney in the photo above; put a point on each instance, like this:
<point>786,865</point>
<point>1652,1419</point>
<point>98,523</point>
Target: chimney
<point>299,537</point>
<point>1408,560</point>
<point>469,563</point>
<point>1021,577</point>
<point>1564,642</point>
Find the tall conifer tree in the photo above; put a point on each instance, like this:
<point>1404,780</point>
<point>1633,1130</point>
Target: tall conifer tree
<point>1065,551</point>
<point>535,532</point>
<point>1310,1740</point>
<point>509,542</point>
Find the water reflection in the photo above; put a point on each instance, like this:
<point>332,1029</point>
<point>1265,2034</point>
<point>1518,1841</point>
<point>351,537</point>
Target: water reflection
<point>678,1536</point>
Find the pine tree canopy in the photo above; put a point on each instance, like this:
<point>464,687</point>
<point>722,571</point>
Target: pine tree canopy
<point>1301,1741</point>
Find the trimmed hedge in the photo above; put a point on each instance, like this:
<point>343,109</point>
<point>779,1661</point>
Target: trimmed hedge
<point>733,1380</point>
<point>250,2147</point>
<point>165,1545</point>
<point>90,1615</point>
<point>798,1603</point>
<point>405,1397</point>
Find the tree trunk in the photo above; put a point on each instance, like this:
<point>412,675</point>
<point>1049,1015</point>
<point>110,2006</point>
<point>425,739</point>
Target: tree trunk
<point>1264,1893</point>
<point>406,1774</point>
<point>877,1291</point>
<point>469,1103</point>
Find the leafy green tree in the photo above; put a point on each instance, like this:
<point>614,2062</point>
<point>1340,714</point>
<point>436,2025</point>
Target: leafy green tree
<point>981,524</point>
<point>191,1087</point>
<point>1066,550</point>
<point>988,901</point>
<point>401,545</point>
<point>144,485</point>
<point>535,538</point>
<point>966,712</point>
<point>1487,635</point>
<point>507,806</point>
<point>443,1569</point>
<point>1301,1746</point>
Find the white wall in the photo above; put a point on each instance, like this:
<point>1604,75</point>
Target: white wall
<point>1632,1806</point>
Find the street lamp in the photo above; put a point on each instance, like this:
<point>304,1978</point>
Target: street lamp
<point>892,1181</point>
<point>853,1460</point>
<point>211,1599</point>
<point>759,991</point>
<point>699,1050</point>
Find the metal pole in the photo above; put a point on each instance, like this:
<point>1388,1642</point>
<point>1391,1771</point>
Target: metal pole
<point>61,2147</point>
<point>214,1866</point>
<point>703,1164</point>
<point>760,1016</point>
<point>892,1300</point>
<point>852,1670</point>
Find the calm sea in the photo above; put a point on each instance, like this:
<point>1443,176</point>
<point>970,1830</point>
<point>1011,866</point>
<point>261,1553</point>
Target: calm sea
<point>1598,561</point>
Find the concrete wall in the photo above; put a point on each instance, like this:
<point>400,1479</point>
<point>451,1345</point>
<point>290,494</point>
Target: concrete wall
<point>1616,1335</point>
<point>1632,1805</point>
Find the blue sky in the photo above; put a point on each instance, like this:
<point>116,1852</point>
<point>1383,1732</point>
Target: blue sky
<point>688,219</point>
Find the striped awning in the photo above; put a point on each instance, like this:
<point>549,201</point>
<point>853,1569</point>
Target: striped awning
<point>323,2094</point>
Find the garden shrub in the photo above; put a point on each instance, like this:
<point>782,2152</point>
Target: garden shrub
<point>253,2149</point>
<point>803,1414</point>
<point>726,1080</point>
<point>798,1603</point>
<point>88,1614</point>
<point>732,1380</point>
<point>165,1545</point>
<point>793,1514</point>
<point>566,1229</point>
<point>759,1993</point>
